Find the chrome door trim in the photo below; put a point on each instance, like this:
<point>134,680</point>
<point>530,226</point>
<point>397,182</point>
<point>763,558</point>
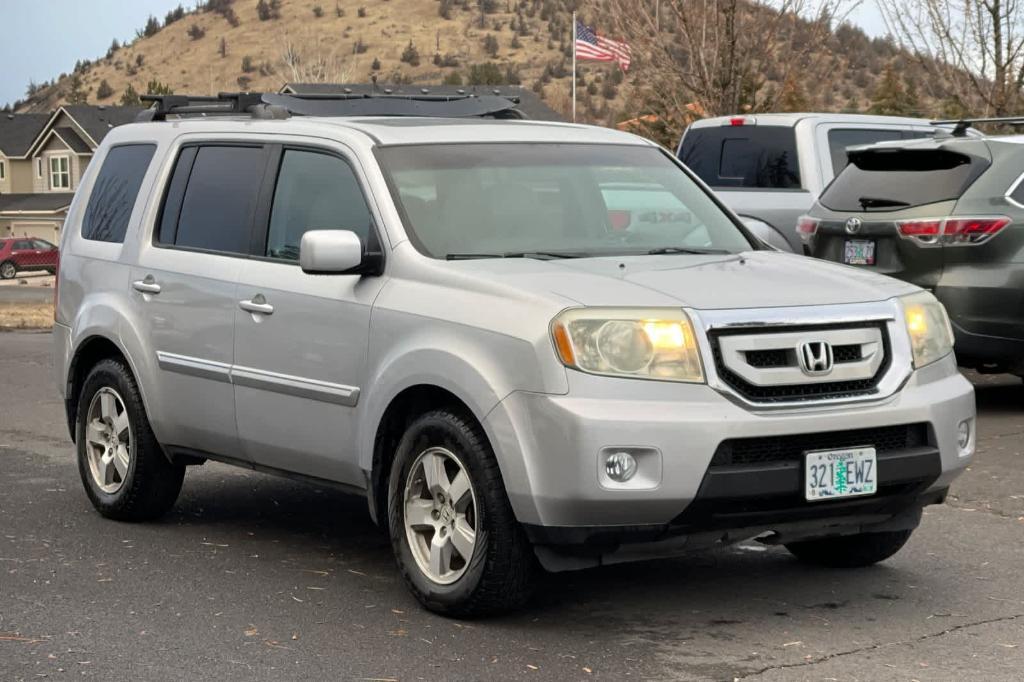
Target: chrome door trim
<point>250,377</point>
<point>196,367</point>
<point>314,389</point>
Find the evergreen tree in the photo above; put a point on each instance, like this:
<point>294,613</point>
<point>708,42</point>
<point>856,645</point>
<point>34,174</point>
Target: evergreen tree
<point>130,98</point>
<point>77,93</point>
<point>889,98</point>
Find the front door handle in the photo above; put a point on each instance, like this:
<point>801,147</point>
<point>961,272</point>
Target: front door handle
<point>257,305</point>
<point>147,285</point>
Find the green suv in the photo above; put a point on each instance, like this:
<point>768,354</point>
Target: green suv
<point>946,214</point>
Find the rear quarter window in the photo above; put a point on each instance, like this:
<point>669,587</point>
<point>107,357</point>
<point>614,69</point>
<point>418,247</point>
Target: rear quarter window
<point>841,138</point>
<point>115,191</point>
<point>748,156</point>
<point>891,180</point>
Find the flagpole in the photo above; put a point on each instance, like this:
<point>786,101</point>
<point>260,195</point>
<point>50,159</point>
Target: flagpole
<point>574,67</point>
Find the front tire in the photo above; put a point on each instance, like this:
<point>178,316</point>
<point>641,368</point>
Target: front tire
<point>125,472</point>
<point>457,543</point>
<point>850,551</point>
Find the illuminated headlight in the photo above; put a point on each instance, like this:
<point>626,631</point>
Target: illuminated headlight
<point>931,336</point>
<point>654,343</point>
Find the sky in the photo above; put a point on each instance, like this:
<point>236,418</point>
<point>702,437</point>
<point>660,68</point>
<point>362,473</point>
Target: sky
<point>44,38</point>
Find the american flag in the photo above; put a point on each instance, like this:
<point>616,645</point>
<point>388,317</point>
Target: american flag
<point>590,45</point>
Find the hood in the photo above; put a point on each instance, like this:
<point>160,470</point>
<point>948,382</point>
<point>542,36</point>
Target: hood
<point>757,279</point>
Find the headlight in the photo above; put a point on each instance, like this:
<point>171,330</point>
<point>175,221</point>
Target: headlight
<point>655,343</point>
<point>931,336</point>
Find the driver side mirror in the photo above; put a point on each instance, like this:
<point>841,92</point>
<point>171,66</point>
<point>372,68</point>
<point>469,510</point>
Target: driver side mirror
<point>337,252</point>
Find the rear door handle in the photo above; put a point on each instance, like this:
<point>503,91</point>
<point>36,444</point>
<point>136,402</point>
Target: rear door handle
<point>147,285</point>
<point>257,305</point>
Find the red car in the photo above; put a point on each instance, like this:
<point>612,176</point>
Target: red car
<point>19,254</point>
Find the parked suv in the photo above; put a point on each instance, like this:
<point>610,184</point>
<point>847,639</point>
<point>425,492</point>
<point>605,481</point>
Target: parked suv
<point>442,315</point>
<point>769,168</point>
<point>26,254</point>
<point>947,215</point>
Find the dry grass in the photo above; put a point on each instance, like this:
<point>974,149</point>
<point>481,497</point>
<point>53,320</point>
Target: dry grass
<point>26,316</point>
<point>196,66</point>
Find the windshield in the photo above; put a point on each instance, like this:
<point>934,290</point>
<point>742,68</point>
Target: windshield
<point>552,201</point>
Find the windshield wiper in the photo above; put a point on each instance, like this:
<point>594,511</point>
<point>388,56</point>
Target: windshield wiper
<point>539,255</point>
<point>877,202</point>
<point>686,249</point>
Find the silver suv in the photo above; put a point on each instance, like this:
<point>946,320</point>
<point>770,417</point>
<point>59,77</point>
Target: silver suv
<point>526,344</point>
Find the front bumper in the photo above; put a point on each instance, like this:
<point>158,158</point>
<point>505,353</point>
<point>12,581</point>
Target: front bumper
<point>549,448</point>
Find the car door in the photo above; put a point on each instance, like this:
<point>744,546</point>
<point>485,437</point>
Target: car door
<point>47,253</point>
<point>23,253</point>
<point>183,289</point>
<point>301,339</point>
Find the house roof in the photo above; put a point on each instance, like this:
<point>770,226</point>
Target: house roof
<point>45,202</point>
<point>18,131</point>
<point>532,106</point>
<point>97,120</point>
<point>72,139</point>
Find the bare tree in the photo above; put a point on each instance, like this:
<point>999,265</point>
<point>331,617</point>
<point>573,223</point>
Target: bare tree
<point>310,60</point>
<point>711,56</point>
<point>971,50</point>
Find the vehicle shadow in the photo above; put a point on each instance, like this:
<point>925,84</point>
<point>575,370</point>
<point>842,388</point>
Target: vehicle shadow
<point>997,393</point>
<point>721,590</point>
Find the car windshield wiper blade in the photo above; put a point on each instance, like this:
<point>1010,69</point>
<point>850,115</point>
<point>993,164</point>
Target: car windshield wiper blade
<point>539,255</point>
<point>686,249</point>
<point>880,202</point>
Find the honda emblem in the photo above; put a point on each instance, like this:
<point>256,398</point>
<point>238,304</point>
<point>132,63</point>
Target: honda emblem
<point>815,357</point>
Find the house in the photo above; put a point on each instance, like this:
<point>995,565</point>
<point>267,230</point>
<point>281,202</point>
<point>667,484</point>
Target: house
<point>532,106</point>
<point>42,158</point>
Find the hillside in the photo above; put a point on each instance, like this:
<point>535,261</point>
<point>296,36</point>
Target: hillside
<point>262,44</point>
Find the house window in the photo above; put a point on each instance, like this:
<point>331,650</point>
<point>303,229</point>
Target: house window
<point>60,173</point>
<point>39,168</point>
<point>3,170</point>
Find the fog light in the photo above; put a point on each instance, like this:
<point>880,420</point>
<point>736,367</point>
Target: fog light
<point>963,434</point>
<point>620,466</point>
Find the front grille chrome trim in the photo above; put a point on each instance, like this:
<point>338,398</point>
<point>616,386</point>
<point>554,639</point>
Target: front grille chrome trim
<point>886,314</point>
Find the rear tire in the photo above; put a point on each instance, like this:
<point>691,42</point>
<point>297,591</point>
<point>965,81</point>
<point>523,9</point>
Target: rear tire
<point>125,472</point>
<point>850,551</point>
<point>8,270</point>
<point>498,574</point>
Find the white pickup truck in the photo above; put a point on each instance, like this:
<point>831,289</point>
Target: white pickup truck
<point>769,168</point>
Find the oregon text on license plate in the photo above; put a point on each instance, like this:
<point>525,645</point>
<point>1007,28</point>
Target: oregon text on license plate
<point>834,474</point>
<point>859,252</point>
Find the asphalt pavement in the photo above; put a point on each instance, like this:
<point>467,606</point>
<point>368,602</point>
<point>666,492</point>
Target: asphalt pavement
<point>253,577</point>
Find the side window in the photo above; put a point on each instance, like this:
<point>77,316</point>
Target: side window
<point>114,193</point>
<point>314,191</point>
<point>841,138</point>
<point>22,245</point>
<point>43,245</point>
<point>219,186</point>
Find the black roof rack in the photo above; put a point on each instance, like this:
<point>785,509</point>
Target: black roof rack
<point>273,105</point>
<point>962,124</point>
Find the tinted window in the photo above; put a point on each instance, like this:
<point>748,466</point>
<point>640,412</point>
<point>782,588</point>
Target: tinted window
<point>219,199</point>
<point>839,139</point>
<point>464,200</point>
<point>743,156</point>
<point>314,192</point>
<point>114,193</point>
<point>895,179</point>
<point>43,245</point>
<point>22,244</point>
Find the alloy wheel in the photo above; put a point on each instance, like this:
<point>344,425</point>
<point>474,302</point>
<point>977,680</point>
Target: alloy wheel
<point>8,271</point>
<point>440,515</point>
<point>108,440</point>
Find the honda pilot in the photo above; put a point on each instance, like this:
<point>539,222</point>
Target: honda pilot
<point>454,317</point>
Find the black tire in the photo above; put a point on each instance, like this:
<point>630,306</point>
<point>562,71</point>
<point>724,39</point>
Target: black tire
<point>51,271</point>
<point>152,483</point>
<point>850,551</point>
<point>8,270</point>
<point>500,575</point>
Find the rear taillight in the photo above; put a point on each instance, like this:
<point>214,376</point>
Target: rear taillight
<point>619,220</point>
<point>806,227</point>
<point>952,231</point>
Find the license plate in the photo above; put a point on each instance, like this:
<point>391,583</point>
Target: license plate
<point>834,474</point>
<point>859,252</point>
